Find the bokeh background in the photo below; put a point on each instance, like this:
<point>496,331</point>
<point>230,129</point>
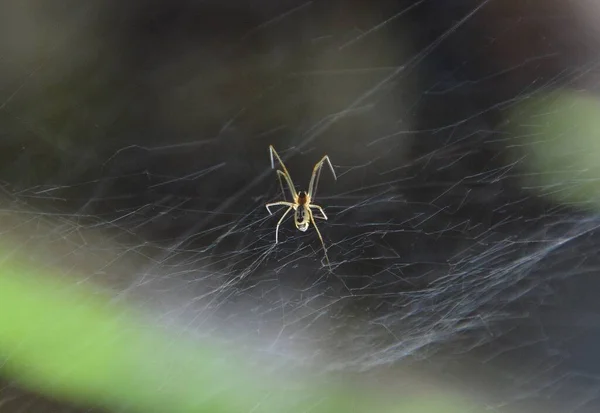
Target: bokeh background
<point>462,227</point>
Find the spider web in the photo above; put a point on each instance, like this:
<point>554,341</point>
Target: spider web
<point>149,173</point>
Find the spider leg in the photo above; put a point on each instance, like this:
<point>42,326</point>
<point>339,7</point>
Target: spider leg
<point>312,219</point>
<point>314,179</point>
<point>320,210</point>
<point>273,153</point>
<point>281,186</point>
<point>285,173</point>
<point>282,203</point>
<point>279,223</point>
<point>289,183</point>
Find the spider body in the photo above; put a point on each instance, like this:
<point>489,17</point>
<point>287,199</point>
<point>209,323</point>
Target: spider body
<point>302,201</point>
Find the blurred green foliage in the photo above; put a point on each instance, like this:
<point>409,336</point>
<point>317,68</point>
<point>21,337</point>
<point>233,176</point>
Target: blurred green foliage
<point>557,144</point>
<point>73,343</point>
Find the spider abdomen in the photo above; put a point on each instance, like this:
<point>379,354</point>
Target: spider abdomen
<point>302,217</point>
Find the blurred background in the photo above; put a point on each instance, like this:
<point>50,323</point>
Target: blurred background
<point>462,227</point>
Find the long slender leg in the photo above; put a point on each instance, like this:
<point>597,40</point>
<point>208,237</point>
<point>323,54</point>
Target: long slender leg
<point>312,219</point>
<point>279,223</point>
<point>281,186</point>
<point>312,187</point>
<point>289,183</point>
<point>320,210</point>
<point>272,204</point>
<point>285,173</point>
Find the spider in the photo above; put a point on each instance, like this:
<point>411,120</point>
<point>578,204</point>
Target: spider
<point>302,201</point>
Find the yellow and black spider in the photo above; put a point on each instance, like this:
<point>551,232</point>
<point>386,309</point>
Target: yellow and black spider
<point>302,201</point>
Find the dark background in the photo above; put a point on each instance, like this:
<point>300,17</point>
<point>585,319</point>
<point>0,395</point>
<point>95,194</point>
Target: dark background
<point>148,125</point>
